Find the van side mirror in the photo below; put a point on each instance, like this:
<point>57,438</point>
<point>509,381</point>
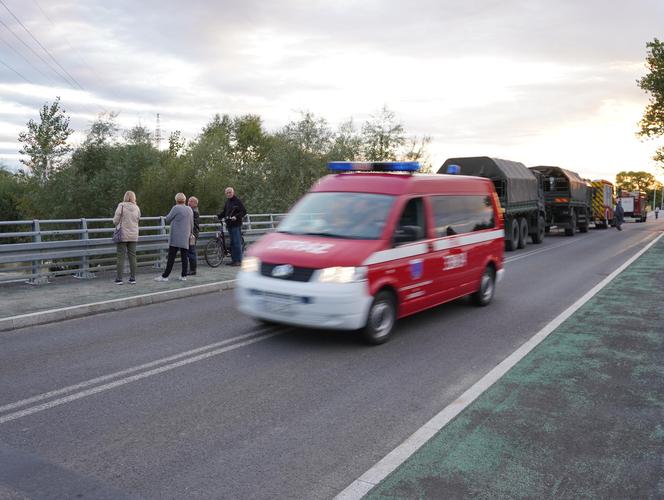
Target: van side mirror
<point>406,234</point>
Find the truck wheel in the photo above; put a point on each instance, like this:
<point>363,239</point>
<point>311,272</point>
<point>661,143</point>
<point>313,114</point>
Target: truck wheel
<point>538,237</point>
<point>583,227</point>
<point>512,243</point>
<point>523,232</point>
<point>381,318</point>
<point>483,296</point>
<point>569,231</point>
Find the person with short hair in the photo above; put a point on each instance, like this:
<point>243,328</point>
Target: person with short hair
<point>127,216</point>
<point>619,214</point>
<point>191,253</point>
<point>181,219</point>
<point>234,212</point>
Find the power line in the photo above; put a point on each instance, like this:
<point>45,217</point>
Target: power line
<point>43,48</point>
<point>19,74</point>
<point>50,20</point>
<point>26,60</point>
<point>35,53</point>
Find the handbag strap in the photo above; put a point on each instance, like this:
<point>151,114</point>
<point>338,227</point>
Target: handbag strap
<point>121,214</point>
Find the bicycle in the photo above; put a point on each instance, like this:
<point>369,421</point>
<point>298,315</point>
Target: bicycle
<point>217,249</point>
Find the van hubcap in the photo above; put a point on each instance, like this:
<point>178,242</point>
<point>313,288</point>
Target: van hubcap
<point>382,318</point>
<point>487,287</point>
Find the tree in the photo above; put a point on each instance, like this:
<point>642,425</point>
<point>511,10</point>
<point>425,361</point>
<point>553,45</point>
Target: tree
<point>176,143</point>
<point>382,136</point>
<point>138,135</point>
<point>45,143</point>
<point>347,143</point>
<point>652,123</point>
<point>103,130</point>
<point>10,192</point>
<point>634,181</point>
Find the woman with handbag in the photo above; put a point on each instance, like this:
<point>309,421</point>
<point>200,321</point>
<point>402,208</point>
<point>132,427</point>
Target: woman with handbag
<point>126,218</point>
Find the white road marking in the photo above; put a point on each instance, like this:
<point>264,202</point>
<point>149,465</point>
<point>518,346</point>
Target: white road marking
<point>361,486</point>
<point>120,373</point>
<point>540,250</point>
<point>235,342</point>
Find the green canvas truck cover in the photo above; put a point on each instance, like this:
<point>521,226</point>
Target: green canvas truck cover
<point>578,188</point>
<point>521,185</point>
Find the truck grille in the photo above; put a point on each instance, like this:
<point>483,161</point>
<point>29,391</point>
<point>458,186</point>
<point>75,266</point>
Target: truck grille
<point>299,273</point>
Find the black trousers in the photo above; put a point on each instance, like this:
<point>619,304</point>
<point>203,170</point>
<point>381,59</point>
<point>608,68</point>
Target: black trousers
<point>172,252</point>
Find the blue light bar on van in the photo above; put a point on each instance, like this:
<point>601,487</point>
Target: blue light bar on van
<point>373,166</point>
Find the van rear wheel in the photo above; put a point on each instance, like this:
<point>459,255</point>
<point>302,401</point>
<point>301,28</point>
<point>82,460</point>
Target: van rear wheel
<point>381,319</point>
<point>484,294</point>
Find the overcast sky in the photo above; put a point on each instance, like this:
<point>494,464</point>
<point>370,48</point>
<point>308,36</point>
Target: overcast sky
<point>538,81</point>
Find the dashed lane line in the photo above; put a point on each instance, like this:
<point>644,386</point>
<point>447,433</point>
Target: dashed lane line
<point>235,343</point>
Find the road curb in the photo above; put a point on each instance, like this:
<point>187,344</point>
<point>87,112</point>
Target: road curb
<point>53,315</point>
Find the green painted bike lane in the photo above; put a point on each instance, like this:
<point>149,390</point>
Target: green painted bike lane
<point>581,416</point>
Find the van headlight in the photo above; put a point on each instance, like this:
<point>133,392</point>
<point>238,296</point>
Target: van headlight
<point>250,265</point>
<point>342,274</point>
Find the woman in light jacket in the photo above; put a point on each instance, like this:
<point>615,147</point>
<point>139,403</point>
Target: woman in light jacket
<point>181,219</point>
<point>127,216</point>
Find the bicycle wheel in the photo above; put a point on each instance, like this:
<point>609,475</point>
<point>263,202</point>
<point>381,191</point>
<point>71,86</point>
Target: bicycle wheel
<point>214,253</point>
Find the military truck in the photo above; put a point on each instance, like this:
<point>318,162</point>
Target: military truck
<point>567,198</point>
<point>519,191</point>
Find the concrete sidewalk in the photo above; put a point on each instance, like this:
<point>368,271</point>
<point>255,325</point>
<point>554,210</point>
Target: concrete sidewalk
<point>66,297</point>
<point>581,416</point>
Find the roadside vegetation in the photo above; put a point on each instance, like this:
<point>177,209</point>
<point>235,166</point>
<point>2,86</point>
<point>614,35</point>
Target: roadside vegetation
<point>270,170</point>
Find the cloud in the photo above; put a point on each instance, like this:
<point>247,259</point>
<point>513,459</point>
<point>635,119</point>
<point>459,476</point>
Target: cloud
<point>506,74</point>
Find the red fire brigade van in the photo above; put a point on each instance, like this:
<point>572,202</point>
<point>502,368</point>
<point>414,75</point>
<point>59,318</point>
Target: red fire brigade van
<point>369,245</point>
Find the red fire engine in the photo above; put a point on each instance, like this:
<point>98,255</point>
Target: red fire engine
<point>634,204</point>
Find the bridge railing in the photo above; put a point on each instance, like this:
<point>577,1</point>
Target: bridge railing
<point>36,250</point>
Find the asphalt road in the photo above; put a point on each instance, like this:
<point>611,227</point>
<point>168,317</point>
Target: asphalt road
<point>189,399</point>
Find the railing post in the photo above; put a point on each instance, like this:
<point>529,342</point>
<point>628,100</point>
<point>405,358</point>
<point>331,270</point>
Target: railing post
<point>37,278</point>
<point>84,266</point>
<point>271,221</point>
<point>159,264</point>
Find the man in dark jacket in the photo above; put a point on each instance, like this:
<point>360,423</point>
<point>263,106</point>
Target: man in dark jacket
<point>191,253</point>
<point>619,215</point>
<point>234,212</point>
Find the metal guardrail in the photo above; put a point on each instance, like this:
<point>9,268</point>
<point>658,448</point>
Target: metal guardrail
<point>35,250</point>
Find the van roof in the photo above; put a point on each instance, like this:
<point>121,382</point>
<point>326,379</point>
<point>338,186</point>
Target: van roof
<point>396,184</point>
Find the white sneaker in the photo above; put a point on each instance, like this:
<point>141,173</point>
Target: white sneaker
<point>160,278</point>
<point>182,278</point>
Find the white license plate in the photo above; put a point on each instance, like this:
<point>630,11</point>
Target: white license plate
<point>277,306</point>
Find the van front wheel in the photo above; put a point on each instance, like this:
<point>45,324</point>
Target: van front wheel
<point>484,294</point>
<point>381,319</point>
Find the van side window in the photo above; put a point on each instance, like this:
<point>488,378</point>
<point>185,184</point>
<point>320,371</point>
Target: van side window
<point>462,214</point>
<point>412,223</point>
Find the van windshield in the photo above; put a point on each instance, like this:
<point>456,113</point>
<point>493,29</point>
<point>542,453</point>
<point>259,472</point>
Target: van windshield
<point>359,216</point>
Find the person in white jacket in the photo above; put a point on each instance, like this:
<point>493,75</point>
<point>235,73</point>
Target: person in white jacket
<point>126,217</point>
